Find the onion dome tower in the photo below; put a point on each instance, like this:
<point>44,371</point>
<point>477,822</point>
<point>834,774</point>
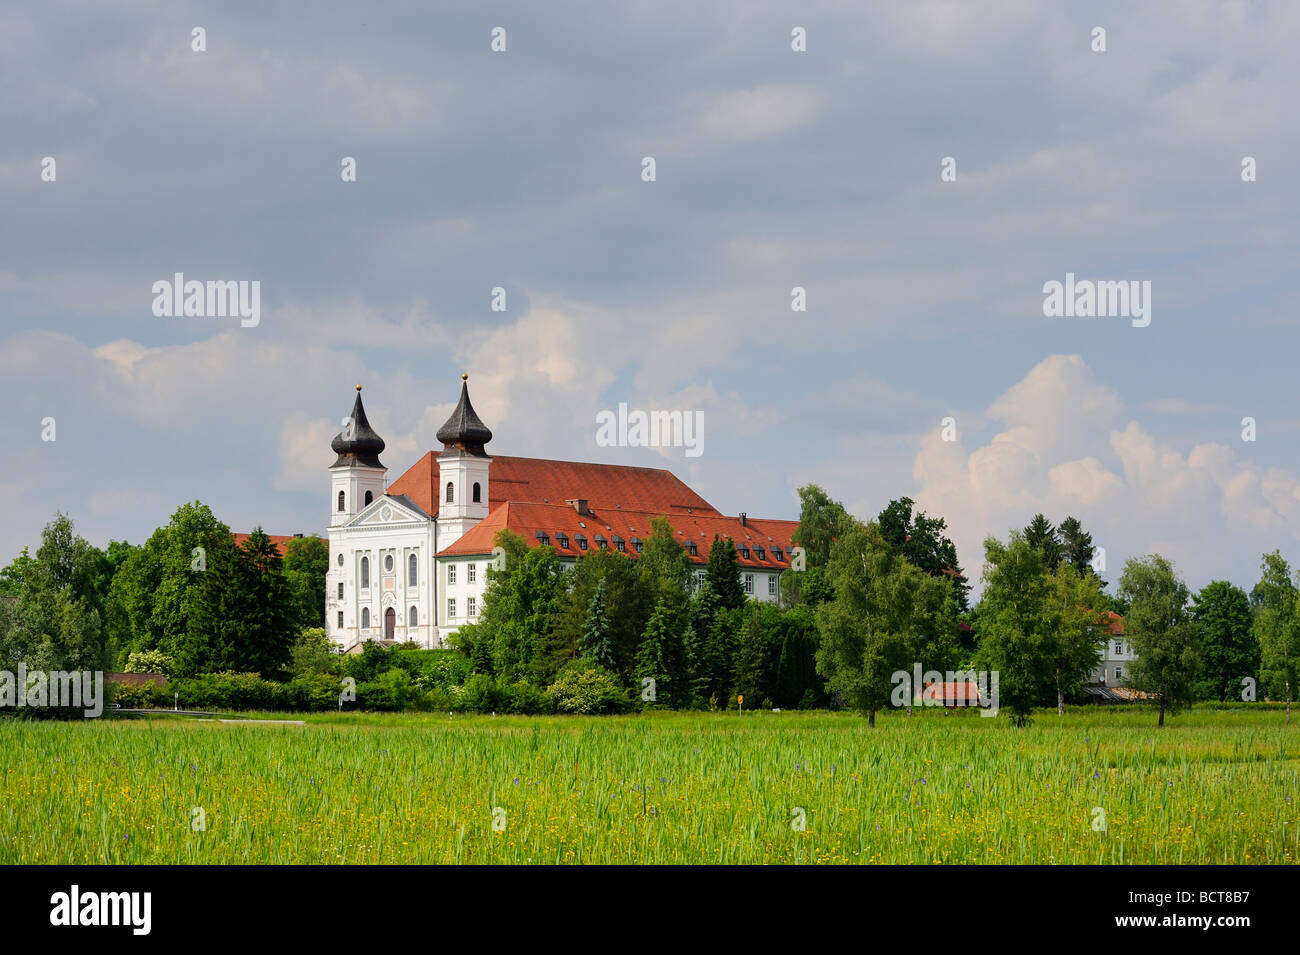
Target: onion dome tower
<point>463,470</point>
<point>357,474</point>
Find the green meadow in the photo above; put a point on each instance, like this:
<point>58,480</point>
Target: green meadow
<point>1095,787</point>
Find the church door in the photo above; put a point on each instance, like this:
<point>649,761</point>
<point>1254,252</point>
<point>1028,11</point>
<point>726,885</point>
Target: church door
<point>390,623</point>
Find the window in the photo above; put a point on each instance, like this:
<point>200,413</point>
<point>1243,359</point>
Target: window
<point>365,572</point>
<point>478,494</point>
<point>369,497</point>
<point>691,548</point>
<point>471,606</point>
<point>582,541</point>
<point>749,583</point>
<point>451,494</point>
<point>340,619</point>
<point>365,617</point>
<point>744,553</point>
<point>600,541</point>
<point>340,560</point>
<point>340,590</point>
<point>778,554</point>
<point>543,538</point>
<point>762,554</point>
<point>451,607</point>
<point>412,571</point>
<point>1119,673</point>
<point>341,501</point>
<point>563,539</point>
<point>771,585</point>
<point>388,563</point>
<point>451,574</point>
<point>1119,646</point>
<point>411,617</point>
<point>472,575</point>
<point>619,543</point>
<point>636,544</point>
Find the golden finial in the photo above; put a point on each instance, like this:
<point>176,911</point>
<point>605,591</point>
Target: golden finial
<point>358,387</point>
<point>464,377</point>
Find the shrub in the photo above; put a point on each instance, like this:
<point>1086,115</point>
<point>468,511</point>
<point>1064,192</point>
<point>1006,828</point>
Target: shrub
<point>432,668</point>
<point>229,691</point>
<point>149,661</point>
<point>313,691</point>
<point>139,696</point>
<point>391,690</point>
<point>588,690</point>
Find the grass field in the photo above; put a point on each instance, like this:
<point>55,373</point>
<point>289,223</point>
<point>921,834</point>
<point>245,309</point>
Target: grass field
<point>1214,787</point>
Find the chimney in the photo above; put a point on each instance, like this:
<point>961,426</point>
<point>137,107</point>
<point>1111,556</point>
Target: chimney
<point>742,519</point>
<point>579,505</point>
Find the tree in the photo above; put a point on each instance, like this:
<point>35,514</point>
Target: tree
<point>1042,537</point>
<point>1161,631</point>
<point>54,623</point>
<point>1277,627</point>
<point>597,641</point>
<point>885,616</point>
<point>797,682</point>
<point>921,541</point>
<point>821,520</point>
<point>665,567</point>
<point>1076,545</point>
<point>520,609</point>
<point>154,592</point>
<point>1075,628</point>
<point>1229,649</point>
<point>1017,638</point>
<point>627,606</point>
<point>722,571</point>
<point>306,562</point>
<point>660,656</point>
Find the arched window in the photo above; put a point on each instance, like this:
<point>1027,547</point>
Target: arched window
<point>477,493</point>
<point>365,617</point>
<point>340,500</point>
<point>365,573</point>
<point>412,575</point>
<point>411,618</point>
<point>451,494</point>
<point>369,497</point>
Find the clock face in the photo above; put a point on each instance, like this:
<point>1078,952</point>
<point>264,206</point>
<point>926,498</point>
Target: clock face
<point>385,512</point>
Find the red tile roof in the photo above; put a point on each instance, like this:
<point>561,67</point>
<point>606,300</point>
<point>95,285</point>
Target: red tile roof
<point>538,481</point>
<point>952,692</point>
<point>281,541</point>
<point>526,519</point>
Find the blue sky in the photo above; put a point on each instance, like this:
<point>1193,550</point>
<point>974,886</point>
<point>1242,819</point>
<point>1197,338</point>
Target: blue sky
<point>775,169</point>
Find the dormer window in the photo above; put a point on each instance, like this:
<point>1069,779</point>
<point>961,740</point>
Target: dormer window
<point>543,538</point>
<point>618,543</point>
<point>691,548</point>
<point>744,553</point>
<point>600,541</point>
<point>762,554</point>
<point>636,544</point>
<point>563,539</point>
<point>778,554</point>
<point>581,541</point>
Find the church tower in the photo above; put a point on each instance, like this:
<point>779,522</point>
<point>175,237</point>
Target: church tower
<point>463,471</point>
<point>357,475</point>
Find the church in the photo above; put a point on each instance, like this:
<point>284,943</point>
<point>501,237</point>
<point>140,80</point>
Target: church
<point>408,560</point>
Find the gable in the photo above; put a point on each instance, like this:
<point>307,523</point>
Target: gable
<point>389,509</point>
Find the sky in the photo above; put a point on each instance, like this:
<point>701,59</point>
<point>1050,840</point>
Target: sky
<point>775,168</point>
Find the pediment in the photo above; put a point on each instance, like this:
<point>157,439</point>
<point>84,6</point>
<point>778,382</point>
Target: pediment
<point>389,510</point>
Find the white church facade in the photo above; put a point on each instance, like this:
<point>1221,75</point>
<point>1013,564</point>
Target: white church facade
<point>408,561</point>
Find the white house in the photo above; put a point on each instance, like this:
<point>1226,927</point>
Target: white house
<point>409,560</point>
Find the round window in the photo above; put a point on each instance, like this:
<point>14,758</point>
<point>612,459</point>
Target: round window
<point>340,560</point>
<point>388,563</point>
